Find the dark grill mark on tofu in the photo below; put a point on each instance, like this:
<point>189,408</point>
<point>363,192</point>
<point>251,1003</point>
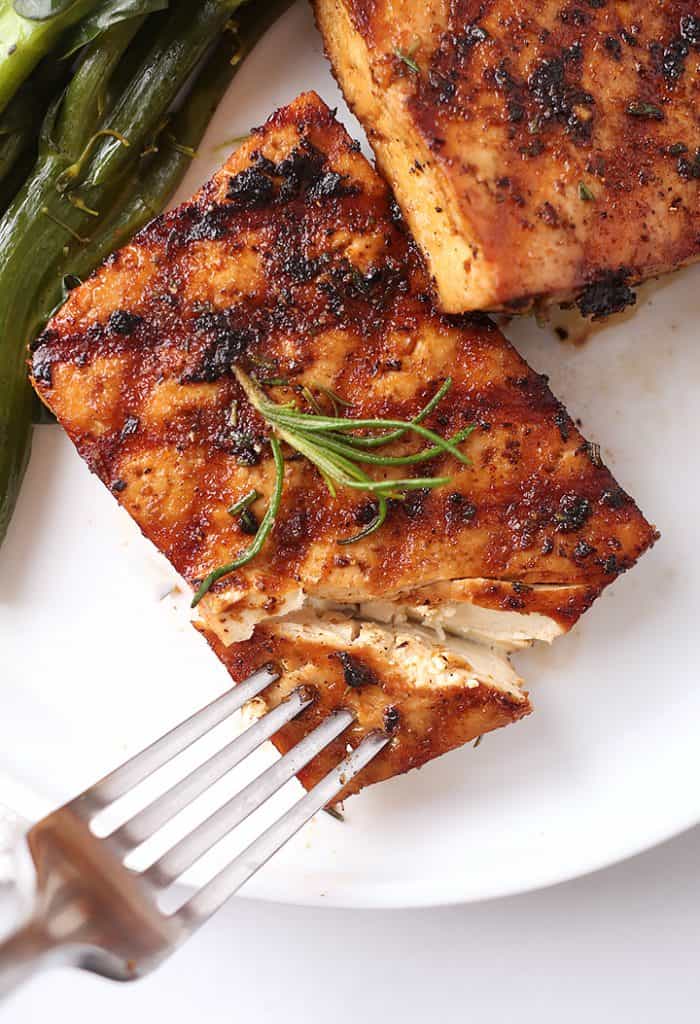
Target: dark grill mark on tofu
<point>574,512</point>
<point>42,360</point>
<point>609,294</point>
<point>201,224</point>
<point>300,171</point>
<point>330,185</point>
<point>250,188</point>
<point>559,100</point>
<point>246,448</point>
<point>689,167</point>
<point>391,719</point>
<point>614,47</point>
<point>459,509</point>
<point>121,321</point>
<point>690,29</point>
<point>249,522</point>
<point>223,348</point>
<point>355,671</point>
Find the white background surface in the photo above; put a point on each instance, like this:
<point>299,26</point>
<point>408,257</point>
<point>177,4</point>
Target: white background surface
<point>621,945</point>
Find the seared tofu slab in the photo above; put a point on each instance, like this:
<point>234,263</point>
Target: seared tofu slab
<point>540,152</point>
<point>294,264</point>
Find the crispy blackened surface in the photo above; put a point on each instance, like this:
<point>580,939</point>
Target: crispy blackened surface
<point>561,127</point>
<point>312,279</point>
<point>423,723</point>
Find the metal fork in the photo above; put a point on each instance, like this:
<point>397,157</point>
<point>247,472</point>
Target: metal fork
<point>92,911</point>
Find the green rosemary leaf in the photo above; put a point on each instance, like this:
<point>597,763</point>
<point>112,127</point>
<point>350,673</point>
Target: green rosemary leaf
<point>396,435</point>
<point>264,530</point>
<point>243,503</point>
<point>650,110</point>
<point>368,458</point>
<point>333,396</point>
<point>379,520</point>
<point>307,424</point>
<point>308,395</point>
<point>408,61</point>
<point>584,192</point>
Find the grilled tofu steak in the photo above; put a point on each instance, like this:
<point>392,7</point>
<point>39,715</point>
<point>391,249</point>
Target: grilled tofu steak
<point>294,266</point>
<point>540,152</point>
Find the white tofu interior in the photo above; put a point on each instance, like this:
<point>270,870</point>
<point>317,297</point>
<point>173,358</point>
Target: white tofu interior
<point>510,630</point>
<point>416,651</point>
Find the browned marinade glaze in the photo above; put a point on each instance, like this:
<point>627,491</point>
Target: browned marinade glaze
<point>561,140</point>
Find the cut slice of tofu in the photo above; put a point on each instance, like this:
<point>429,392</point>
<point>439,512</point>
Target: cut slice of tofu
<point>430,696</point>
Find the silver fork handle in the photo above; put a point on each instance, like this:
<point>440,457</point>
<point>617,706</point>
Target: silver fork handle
<point>24,953</point>
<point>25,942</point>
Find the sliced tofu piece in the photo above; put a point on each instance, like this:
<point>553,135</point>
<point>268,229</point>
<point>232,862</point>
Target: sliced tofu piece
<point>430,697</point>
<point>293,262</point>
<point>539,152</point>
<point>493,612</point>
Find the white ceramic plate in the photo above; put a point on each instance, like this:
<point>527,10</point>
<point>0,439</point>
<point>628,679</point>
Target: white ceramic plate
<point>94,663</point>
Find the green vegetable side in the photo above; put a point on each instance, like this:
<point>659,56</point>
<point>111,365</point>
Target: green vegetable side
<point>95,136</point>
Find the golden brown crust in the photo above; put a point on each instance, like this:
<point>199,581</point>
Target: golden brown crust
<point>293,254</point>
<point>538,150</point>
<point>424,722</point>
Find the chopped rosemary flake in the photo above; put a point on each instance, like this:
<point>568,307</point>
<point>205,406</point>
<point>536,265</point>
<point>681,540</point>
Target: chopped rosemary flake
<point>584,192</point>
<point>335,399</point>
<point>333,446</point>
<point>408,61</point>
<point>243,503</point>
<point>477,741</point>
<point>636,109</point>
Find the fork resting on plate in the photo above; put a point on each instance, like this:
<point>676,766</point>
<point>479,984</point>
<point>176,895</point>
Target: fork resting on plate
<point>91,910</point>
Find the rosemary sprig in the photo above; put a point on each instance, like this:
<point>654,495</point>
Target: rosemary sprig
<point>266,524</point>
<point>334,446</point>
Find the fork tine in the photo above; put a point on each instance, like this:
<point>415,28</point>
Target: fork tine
<point>186,851</point>
<point>143,764</point>
<point>207,900</point>
<point>152,817</point>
